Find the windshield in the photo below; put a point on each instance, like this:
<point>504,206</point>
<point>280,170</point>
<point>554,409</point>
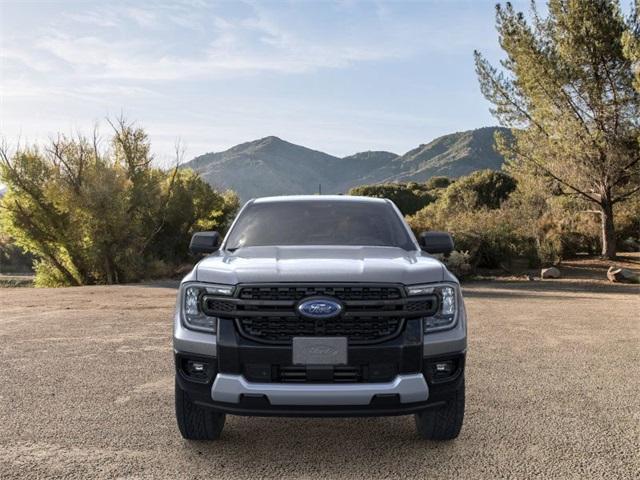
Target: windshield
<point>315,222</point>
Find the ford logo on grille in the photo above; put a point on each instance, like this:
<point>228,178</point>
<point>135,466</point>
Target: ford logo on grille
<point>319,308</point>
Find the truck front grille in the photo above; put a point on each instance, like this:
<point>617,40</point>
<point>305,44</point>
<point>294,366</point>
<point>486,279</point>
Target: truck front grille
<point>283,329</point>
<point>372,313</point>
<point>341,292</point>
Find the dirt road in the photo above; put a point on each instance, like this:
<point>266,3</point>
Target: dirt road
<point>86,391</point>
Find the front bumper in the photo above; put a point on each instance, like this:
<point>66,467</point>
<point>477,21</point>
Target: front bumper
<point>231,388</point>
<point>257,399</point>
<point>405,394</point>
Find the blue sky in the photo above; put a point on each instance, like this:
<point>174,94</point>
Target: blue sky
<point>341,76</point>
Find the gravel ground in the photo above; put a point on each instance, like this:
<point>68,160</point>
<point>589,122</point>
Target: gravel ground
<point>552,392</point>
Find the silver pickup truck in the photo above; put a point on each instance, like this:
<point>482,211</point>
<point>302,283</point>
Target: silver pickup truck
<point>320,306</point>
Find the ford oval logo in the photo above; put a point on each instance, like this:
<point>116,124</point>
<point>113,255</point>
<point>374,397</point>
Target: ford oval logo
<point>319,308</point>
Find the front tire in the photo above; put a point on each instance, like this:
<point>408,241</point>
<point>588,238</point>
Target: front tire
<point>443,423</point>
<point>195,421</point>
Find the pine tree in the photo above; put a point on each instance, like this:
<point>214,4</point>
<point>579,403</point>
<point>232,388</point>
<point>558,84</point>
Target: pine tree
<point>566,88</point>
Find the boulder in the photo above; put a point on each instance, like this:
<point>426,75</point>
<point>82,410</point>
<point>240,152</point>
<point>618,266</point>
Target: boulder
<point>621,275</point>
<point>551,272</point>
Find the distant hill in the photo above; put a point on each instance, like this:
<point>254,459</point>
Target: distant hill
<point>272,166</point>
<point>268,166</point>
<point>453,155</point>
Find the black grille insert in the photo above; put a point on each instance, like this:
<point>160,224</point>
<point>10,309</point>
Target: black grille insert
<point>371,313</point>
<point>298,292</point>
<point>283,329</point>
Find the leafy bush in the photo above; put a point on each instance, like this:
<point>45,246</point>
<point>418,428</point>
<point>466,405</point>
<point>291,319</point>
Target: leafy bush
<point>12,258</point>
<point>512,223</point>
<point>562,234</point>
<point>492,239</point>
<point>628,224</point>
<point>484,188</point>
<point>469,210</point>
<point>92,216</point>
<point>435,183</point>
<point>409,197</point>
<point>459,263</point>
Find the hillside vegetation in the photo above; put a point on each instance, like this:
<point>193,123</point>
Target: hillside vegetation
<point>499,222</point>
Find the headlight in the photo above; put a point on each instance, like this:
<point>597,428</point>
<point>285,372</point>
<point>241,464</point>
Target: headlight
<point>445,317</point>
<point>193,316</point>
<point>420,290</point>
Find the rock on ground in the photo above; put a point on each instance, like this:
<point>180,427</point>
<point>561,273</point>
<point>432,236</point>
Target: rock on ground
<point>622,275</point>
<point>551,272</point>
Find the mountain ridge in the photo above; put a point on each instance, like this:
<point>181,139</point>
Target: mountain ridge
<point>273,166</point>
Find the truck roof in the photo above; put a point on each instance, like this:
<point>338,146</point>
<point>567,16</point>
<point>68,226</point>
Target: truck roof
<point>318,198</point>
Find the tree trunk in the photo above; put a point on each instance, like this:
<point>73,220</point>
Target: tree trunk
<point>608,230</point>
<point>62,269</point>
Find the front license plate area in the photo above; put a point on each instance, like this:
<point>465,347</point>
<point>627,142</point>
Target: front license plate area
<point>320,350</point>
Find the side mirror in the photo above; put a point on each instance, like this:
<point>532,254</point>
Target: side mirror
<point>436,242</point>
<point>204,242</point>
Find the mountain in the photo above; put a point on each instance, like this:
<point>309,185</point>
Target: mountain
<point>453,155</point>
<point>272,166</point>
<point>354,167</point>
<point>370,159</point>
<point>269,166</point>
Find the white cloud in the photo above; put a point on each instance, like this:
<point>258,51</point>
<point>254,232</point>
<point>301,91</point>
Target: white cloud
<point>248,45</point>
<point>172,62</point>
<point>100,17</point>
<point>142,17</point>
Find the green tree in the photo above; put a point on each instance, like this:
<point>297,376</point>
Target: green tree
<point>409,197</point>
<point>484,188</point>
<point>193,207</point>
<point>435,183</point>
<point>631,40</point>
<point>472,210</point>
<point>92,215</point>
<point>566,89</point>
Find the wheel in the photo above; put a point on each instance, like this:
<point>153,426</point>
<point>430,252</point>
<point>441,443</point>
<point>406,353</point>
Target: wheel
<point>196,422</point>
<point>443,423</point>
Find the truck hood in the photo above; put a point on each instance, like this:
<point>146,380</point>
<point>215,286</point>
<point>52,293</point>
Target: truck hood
<point>319,264</point>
